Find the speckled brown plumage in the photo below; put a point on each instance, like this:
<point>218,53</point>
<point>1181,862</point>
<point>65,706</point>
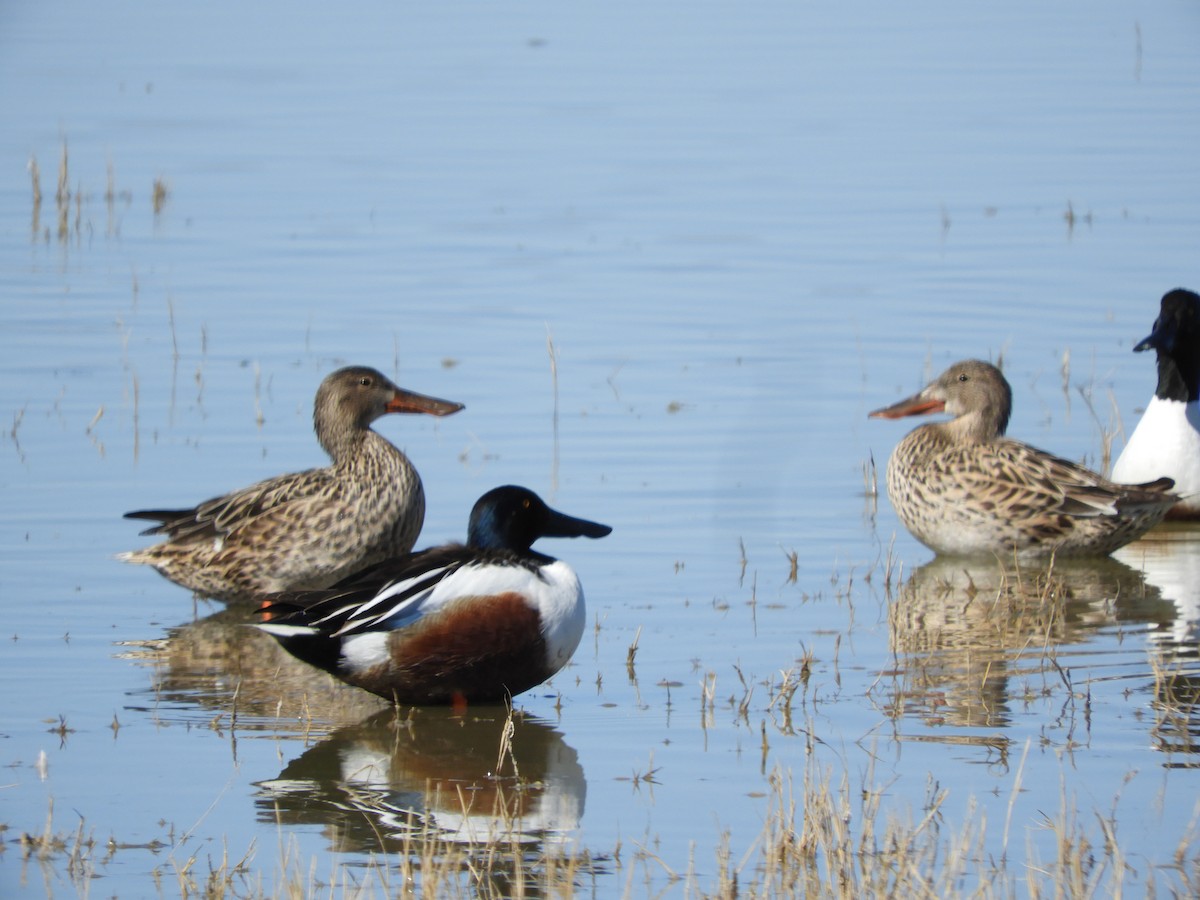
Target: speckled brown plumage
<point>962,487</point>
<point>310,529</point>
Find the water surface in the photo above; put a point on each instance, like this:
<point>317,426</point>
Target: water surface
<point>739,229</point>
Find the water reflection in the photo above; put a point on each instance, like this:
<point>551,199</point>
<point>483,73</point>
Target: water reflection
<point>973,639</point>
<point>478,779</point>
<point>1169,559</point>
<point>223,666</point>
<point>487,795</point>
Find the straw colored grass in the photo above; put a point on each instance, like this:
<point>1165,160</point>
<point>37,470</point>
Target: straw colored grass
<point>824,835</point>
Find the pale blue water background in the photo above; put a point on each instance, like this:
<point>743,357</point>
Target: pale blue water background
<point>743,226</point>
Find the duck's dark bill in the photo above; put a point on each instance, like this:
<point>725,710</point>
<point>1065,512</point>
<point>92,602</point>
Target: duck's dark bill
<point>1153,342</point>
<point>561,525</point>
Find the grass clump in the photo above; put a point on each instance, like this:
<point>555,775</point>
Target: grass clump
<point>830,839</point>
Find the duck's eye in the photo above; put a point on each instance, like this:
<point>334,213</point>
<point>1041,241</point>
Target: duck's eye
<point>525,503</point>
<point>962,376</point>
<point>365,381</point>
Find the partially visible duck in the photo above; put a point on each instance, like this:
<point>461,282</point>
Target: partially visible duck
<point>963,488</point>
<point>308,529</point>
<point>451,624</point>
<point>1166,440</point>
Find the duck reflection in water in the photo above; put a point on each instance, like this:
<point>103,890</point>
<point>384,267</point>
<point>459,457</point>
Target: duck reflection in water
<point>222,665</point>
<point>462,779</point>
<point>970,637</point>
<point>1169,559</point>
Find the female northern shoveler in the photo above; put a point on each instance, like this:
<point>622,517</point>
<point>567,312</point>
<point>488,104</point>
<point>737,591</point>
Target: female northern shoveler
<point>451,624</point>
<point>1167,438</point>
<point>308,529</point>
<point>961,487</point>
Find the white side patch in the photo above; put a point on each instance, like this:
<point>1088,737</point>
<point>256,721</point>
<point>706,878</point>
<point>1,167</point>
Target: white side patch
<point>364,651</point>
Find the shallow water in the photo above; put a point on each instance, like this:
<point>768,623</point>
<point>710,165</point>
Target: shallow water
<point>740,230</point>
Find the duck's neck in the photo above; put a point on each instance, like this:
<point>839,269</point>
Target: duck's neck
<point>1175,382</point>
<point>977,427</point>
<point>343,444</point>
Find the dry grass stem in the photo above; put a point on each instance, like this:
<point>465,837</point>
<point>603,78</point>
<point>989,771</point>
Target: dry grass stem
<point>159,194</point>
<point>554,417</point>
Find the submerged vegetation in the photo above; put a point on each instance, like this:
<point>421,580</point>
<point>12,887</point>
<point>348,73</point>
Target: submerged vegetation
<point>72,219</point>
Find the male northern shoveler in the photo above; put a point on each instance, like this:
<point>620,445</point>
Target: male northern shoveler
<point>451,624</point>
<point>961,487</point>
<point>1166,440</point>
<point>308,529</point>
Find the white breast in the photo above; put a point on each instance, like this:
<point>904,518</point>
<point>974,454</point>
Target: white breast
<point>560,604</point>
<point>1166,442</point>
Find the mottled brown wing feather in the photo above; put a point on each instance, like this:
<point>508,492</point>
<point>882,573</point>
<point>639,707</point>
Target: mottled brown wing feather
<point>1019,476</point>
<point>221,515</point>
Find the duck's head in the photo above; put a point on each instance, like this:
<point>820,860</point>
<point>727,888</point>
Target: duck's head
<point>354,397</point>
<point>976,393</point>
<point>1176,342</point>
<point>1178,320</point>
<point>512,518</point>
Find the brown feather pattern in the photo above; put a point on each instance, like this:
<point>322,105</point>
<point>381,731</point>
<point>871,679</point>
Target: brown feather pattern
<point>309,529</point>
<point>962,487</point>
